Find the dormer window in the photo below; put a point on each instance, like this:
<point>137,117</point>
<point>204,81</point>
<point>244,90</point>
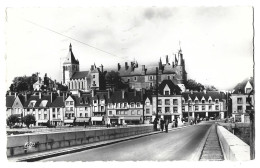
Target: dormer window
<point>150,77</point>
<point>32,103</point>
<point>196,101</point>
<point>248,90</point>
<point>135,78</point>
<point>166,92</point>
<point>93,76</point>
<point>202,101</point>
<point>217,101</point>
<point>168,77</point>
<point>210,101</point>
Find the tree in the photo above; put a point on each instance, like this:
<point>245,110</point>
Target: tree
<point>29,119</point>
<point>23,83</point>
<point>193,85</point>
<point>12,119</point>
<point>114,80</point>
<point>210,88</point>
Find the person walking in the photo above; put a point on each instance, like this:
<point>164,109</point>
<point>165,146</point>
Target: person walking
<point>166,125</point>
<point>161,124</point>
<point>176,122</point>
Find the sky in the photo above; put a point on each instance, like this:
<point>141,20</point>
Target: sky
<point>217,42</point>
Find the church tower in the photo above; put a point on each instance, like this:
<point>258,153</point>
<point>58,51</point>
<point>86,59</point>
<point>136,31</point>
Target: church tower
<point>181,74</point>
<point>69,66</point>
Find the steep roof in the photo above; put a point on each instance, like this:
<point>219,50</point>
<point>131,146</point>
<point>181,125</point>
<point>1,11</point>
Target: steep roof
<point>174,89</point>
<point>39,101</point>
<point>10,101</point>
<point>240,87</point>
<point>58,102</point>
<point>70,57</point>
<point>213,94</point>
<point>80,75</point>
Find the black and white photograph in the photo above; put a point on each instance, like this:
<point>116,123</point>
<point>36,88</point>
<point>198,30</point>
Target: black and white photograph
<point>129,83</point>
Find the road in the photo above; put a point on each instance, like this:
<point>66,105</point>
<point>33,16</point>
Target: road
<point>179,144</point>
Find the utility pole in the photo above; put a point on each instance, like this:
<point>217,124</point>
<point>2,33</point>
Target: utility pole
<point>156,110</point>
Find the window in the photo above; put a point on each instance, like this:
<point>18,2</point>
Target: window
<point>58,113</point>
<point>147,103</point>
<point>53,115</point>
<point>58,109</point>
<point>196,108</point>
<point>217,101</point>
<point>122,112</point>
<point>53,110</point>
<point>28,110</point>
<point>248,107</point>
<point>203,108</point>
<point>80,114</point>
<point>167,109</point>
<point>71,103</point>
<point>132,105</point>
<point>71,108</point>
<point>95,101</point>
<point>147,111</point>
<point>239,100</point>
<point>210,101</point>
<point>117,112</point>
<point>110,112</point>
<point>86,114</point>
<point>159,101</point>
<point>132,112</point>
<point>248,90</point>
<point>72,115</point>
<point>135,78</point>
<point>168,77</point>
<point>196,101</point>
<point>86,109</point>
<point>210,108</point>
<point>167,101</point>
<point>175,101</point>
<point>150,77</point>
<point>183,108</point>
<point>183,101</point>
<point>202,101</point>
<point>66,115</point>
<point>93,76</point>
<point>190,108</point>
<point>175,109</point>
<point>102,108</point>
<point>67,109</point>
<point>239,109</point>
<point>248,99</point>
<point>94,83</point>
<point>138,112</point>
<point>217,107</point>
<point>138,104</point>
<point>125,105</point>
<point>167,92</point>
<point>159,109</point>
<point>39,116</point>
<point>45,116</point>
<point>67,103</point>
<point>80,109</point>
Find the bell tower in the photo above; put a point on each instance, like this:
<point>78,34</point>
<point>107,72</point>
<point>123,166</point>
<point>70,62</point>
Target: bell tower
<point>69,66</point>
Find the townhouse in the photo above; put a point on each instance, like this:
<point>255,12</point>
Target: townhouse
<point>204,104</point>
<point>240,101</point>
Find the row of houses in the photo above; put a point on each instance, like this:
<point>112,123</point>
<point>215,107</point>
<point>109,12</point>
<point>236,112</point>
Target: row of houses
<point>118,107</point>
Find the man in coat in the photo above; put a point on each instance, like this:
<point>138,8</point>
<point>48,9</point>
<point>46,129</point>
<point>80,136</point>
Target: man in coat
<point>166,125</point>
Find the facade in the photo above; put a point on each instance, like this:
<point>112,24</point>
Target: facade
<point>204,104</point>
<point>14,105</point>
<point>125,107</point>
<point>240,102</point>
<point>169,102</point>
<point>140,77</point>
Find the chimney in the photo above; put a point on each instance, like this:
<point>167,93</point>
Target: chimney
<point>15,94</point>
<point>126,66</point>
<point>191,91</point>
<point>108,94</point>
<point>123,94</point>
<point>40,95</point>
<point>118,66</point>
<point>92,67</point>
<point>25,97</point>
<point>79,94</point>
<point>58,91</point>
<point>132,66</point>
<point>92,92</point>
<point>10,93</point>
<point>101,68</point>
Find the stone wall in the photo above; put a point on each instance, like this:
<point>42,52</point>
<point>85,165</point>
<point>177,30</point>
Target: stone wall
<point>16,144</point>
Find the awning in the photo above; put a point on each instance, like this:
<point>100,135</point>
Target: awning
<point>96,118</point>
<point>132,118</point>
<point>68,121</point>
<point>56,119</point>
<point>86,119</point>
<point>42,121</point>
<point>113,117</point>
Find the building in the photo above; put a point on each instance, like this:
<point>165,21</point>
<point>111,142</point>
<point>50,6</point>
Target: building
<point>169,102</point>
<point>14,105</point>
<point>39,106</point>
<point>125,107</point>
<point>142,77</point>
<point>240,101</point>
<point>204,104</point>
<point>81,80</point>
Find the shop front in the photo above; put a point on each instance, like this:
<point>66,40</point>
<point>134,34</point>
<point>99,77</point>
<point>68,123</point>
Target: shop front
<point>68,122</point>
<point>97,120</point>
<point>82,121</point>
<point>132,120</point>
<point>56,122</point>
<point>42,122</point>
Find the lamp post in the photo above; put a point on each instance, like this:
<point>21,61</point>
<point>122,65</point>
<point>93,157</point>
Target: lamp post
<point>188,111</point>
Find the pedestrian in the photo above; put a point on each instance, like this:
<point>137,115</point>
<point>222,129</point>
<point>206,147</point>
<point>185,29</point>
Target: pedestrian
<point>176,122</point>
<point>173,123</point>
<point>85,124</point>
<point>162,124</point>
<point>166,125</point>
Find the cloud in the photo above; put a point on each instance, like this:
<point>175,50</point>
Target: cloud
<point>157,13</point>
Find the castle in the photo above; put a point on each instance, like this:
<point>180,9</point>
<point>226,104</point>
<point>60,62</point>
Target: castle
<point>138,77</point>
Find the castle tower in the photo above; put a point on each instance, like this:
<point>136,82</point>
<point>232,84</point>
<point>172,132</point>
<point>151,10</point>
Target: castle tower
<point>69,66</point>
<point>180,68</point>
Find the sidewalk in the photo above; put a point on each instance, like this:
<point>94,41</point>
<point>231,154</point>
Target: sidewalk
<point>37,156</point>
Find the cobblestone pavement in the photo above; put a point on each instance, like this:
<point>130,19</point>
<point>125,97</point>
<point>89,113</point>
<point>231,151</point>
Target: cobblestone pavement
<point>212,150</point>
